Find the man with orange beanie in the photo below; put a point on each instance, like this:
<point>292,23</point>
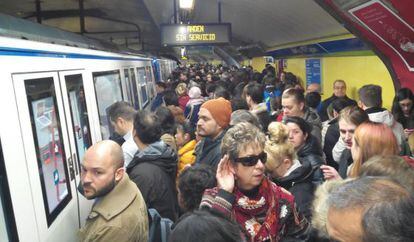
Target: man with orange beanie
<point>213,120</point>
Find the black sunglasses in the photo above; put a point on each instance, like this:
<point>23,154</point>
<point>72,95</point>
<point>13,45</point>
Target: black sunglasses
<point>252,160</point>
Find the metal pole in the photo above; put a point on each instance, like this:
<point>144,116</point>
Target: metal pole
<point>175,11</point>
<point>219,11</point>
<point>38,12</point>
<point>81,17</point>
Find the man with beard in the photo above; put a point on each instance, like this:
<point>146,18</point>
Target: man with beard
<point>119,212</point>
<point>213,120</point>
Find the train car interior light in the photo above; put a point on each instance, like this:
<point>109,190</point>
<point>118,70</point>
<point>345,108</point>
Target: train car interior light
<point>187,4</point>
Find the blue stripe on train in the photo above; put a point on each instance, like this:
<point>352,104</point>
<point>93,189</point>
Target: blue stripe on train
<point>40,53</point>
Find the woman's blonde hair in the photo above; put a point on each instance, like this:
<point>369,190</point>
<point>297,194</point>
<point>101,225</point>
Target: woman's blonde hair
<point>277,146</point>
<point>372,139</point>
<point>181,89</point>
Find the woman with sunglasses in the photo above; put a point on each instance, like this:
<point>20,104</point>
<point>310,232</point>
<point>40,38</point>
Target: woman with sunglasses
<point>265,211</point>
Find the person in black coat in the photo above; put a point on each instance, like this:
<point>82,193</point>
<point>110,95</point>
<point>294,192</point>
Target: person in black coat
<point>154,166</point>
<point>339,91</point>
<point>307,147</point>
<point>332,133</point>
<point>286,170</point>
<point>254,98</point>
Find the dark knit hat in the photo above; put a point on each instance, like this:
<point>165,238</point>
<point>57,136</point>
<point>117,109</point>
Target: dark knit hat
<point>220,109</point>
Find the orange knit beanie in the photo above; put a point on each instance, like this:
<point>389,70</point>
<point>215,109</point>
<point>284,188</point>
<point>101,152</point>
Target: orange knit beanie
<point>220,109</point>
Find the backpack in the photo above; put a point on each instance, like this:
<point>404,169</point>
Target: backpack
<point>159,228</point>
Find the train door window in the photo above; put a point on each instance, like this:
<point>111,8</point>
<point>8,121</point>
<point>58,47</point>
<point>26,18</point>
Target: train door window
<point>143,86</point>
<point>134,89</point>
<point>7,222</point>
<point>51,159</point>
<point>108,91</point>
<point>128,86</point>
<point>79,114</point>
<point>150,82</point>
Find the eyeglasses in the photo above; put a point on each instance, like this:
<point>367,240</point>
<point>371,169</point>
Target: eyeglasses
<point>252,160</point>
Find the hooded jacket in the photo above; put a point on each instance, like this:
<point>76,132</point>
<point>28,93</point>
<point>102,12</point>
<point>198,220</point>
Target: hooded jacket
<point>154,171</point>
<point>311,152</point>
<point>299,183</point>
<point>381,115</point>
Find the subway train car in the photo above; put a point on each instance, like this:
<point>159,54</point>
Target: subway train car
<point>53,104</point>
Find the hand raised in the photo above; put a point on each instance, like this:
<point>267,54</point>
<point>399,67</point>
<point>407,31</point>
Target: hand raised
<point>225,175</point>
<point>330,173</point>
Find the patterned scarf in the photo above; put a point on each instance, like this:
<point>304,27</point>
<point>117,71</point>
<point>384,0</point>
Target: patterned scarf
<point>264,204</point>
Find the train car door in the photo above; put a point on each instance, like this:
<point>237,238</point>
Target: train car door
<point>48,155</point>
<point>79,129</point>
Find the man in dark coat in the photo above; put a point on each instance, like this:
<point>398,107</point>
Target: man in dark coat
<point>213,119</point>
<point>339,87</point>
<point>254,98</point>
<point>154,166</point>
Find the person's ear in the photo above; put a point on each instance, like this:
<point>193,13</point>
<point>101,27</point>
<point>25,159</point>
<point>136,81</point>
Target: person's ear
<point>119,173</point>
<point>286,161</point>
<point>360,104</point>
<point>232,168</point>
<point>301,105</point>
<point>120,121</point>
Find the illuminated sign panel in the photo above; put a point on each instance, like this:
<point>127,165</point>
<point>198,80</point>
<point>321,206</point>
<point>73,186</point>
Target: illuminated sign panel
<point>195,34</point>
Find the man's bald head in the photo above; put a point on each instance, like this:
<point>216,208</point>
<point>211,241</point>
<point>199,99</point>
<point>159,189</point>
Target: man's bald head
<point>102,168</point>
<point>109,151</point>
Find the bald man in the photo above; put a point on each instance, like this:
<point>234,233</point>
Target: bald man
<point>119,212</point>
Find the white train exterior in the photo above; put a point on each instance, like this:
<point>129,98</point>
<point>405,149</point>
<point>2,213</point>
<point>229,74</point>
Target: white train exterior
<point>53,102</point>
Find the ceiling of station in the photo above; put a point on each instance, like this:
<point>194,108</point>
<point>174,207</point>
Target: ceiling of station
<point>124,22</point>
<point>270,23</point>
<point>258,25</point>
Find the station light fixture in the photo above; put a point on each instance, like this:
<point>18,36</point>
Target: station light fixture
<point>187,4</point>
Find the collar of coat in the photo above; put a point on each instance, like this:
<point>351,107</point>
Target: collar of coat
<point>187,147</point>
<point>116,200</point>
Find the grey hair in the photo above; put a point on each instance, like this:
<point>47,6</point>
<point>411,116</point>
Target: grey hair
<point>241,115</point>
<point>365,192</point>
<point>386,221</point>
<point>240,136</point>
<point>320,205</point>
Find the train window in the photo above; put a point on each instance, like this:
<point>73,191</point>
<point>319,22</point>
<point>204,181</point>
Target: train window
<point>150,82</point>
<point>143,86</point>
<point>49,146</point>
<point>108,91</point>
<point>7,223</point>
<point>134,89</point>
<point>128,86</point>
<point>79,114</point>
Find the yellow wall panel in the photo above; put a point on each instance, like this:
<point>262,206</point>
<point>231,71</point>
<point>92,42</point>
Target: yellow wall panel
<point>356,71</point>
<point>258,63</point>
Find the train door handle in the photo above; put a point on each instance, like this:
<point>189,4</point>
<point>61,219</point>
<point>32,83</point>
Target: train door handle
<point>71,172</point>
<point>75,161</point>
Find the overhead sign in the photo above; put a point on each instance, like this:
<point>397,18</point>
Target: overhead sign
<point>195,34</point>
